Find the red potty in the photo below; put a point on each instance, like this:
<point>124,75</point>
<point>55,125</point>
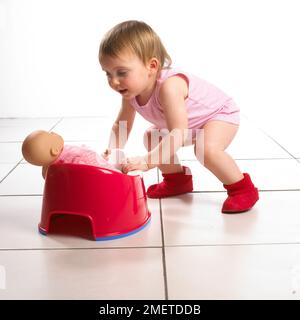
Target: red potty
<point>114,203</point>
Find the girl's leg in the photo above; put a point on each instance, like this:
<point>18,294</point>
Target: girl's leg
<point>217,137</point>
<point>152,137</point>
<point>177,179</point>
<point>242,194</point>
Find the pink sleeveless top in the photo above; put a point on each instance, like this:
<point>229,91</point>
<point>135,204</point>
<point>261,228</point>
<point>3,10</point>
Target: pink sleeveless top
<point>204,102</point>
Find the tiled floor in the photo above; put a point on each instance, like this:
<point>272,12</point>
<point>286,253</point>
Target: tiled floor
<point>188,251</point>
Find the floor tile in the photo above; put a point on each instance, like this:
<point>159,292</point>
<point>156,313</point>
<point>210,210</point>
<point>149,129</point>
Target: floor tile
<point>12,130</point>
<point>83,274</point>
<point>80,129</point>
<point>234,272</point>
<point>5,168</point>
<point>25,179</point>
<point>196,219</point>
<point>249,143</point>
<point>10,152</point>
<point>275,174</point>
<point>252,143</point>
<point>287,135</point>
<point>19,228</point>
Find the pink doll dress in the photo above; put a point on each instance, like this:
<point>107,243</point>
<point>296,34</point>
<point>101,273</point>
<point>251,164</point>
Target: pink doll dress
<point>83,155</point>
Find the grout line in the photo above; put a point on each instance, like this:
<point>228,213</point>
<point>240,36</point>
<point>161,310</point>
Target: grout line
<point>153,247</point>
<point>231,244</point>
<point>54,117</point>
<point>28,118</point>
<point>79,248</point>
<point>164,263</point>
<point>178,197</point>
<point>273,139</point>
<point>11,141</point>
<point>22,157</point>
<point>58,122</point>
<point>76,140</point>
<point>271,158</point>
<point>65,117</point>
<point>1,180</point>
<point>260,190</point>
<point>22,195</point>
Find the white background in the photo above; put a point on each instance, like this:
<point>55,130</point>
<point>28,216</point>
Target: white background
<point>250,49</point>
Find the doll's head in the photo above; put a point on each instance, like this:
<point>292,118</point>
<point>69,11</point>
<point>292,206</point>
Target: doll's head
<point>41,148</point>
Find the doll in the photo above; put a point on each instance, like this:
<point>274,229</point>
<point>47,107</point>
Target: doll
<point>42,148</point>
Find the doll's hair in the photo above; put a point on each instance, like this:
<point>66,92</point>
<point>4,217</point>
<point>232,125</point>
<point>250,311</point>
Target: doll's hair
<point>137,37</point>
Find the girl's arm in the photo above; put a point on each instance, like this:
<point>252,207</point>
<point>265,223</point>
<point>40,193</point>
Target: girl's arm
<point>172,99</point>
<point>122,126</point>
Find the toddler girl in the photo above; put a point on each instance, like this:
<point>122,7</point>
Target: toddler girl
<point>178,104</point>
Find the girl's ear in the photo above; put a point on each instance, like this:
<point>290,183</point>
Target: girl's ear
<point>153,64</point>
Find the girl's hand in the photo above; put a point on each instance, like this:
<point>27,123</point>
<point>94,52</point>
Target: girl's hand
<point>135,163</point>
<point>106,154</point>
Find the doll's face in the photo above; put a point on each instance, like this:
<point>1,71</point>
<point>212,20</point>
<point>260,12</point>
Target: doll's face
<point>41,148</point>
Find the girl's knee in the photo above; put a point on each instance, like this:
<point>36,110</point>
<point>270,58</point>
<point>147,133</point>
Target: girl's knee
<point>146,139</point>
<point>152,137</point>
<point>207,154</point>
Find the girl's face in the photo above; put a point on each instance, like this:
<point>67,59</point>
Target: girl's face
<point>128,75</point>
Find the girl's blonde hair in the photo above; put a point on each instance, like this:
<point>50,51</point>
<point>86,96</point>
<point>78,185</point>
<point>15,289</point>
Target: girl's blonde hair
<point>137,37</point>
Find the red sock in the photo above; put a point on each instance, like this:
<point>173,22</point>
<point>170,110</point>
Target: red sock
<point>242,196</point>
<point>172,184</point>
